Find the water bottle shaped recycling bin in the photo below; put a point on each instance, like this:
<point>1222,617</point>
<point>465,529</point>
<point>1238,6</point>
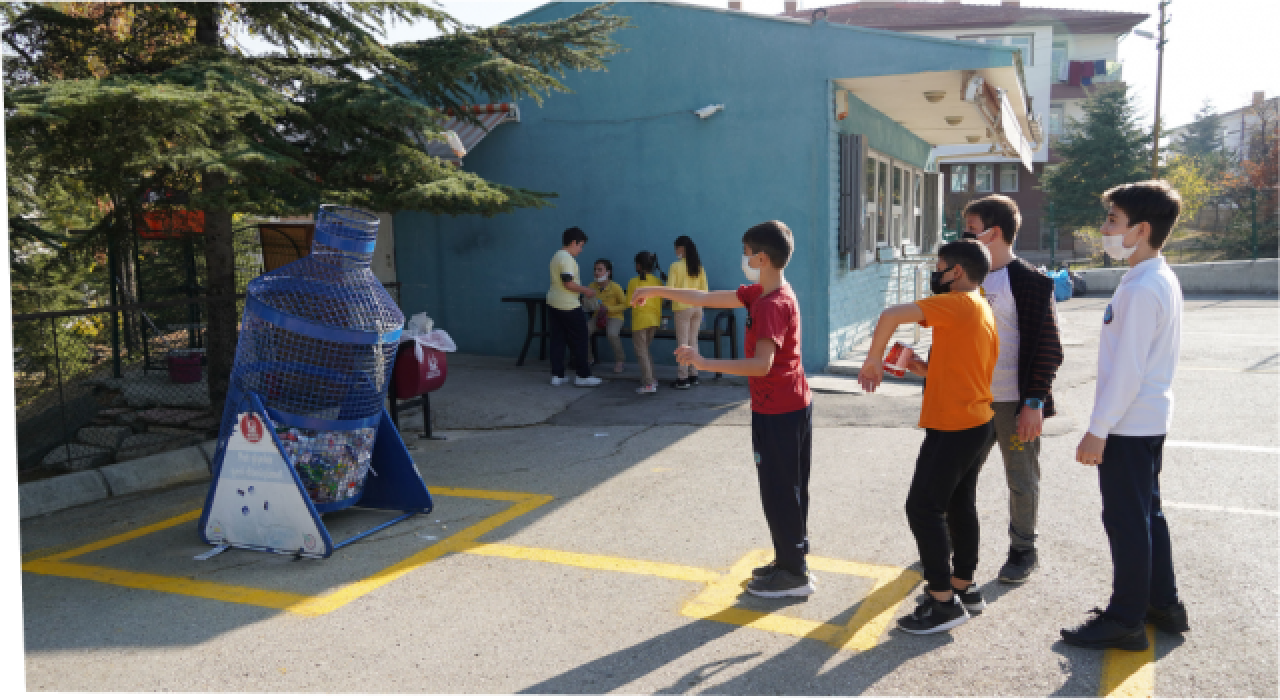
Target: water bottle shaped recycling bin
<point>305,430</point>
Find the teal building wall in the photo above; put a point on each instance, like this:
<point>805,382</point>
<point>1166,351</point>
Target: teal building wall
<point>634,168</point>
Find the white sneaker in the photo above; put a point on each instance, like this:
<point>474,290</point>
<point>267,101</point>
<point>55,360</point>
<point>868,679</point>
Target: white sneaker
<point>587,381</point>
<point>557,381</point>
<point>648,389</point>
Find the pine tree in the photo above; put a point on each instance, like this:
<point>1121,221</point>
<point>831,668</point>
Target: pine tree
<point>1202,137</point>
<point>1105,149</point>
<point>116,98</point>
<point>1202,141</point>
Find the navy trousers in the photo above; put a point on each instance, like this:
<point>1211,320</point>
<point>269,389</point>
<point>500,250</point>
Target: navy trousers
<point>783,445</point>
<point>568,328</point>
<point>1141,555</point>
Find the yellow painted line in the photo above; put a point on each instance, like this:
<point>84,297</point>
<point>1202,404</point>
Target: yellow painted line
<point>864,630</point>
<point>1130,674</point>
<point>57,564</point>
<point>322,605</point>
<point>130,535</point>
<point>593,561</point>
<point>166,584</point>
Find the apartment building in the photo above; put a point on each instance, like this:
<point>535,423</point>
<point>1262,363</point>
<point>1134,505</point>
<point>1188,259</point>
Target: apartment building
<point>1065,55</point>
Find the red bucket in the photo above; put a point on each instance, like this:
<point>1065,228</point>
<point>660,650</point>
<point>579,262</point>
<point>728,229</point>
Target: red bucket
<point>184,366</point>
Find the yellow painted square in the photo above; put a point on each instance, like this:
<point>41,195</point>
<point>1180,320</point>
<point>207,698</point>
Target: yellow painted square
<point>891,586</point>
<point>60,564</point>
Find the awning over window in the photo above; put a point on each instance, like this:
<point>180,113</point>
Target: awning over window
<point>469,134</point>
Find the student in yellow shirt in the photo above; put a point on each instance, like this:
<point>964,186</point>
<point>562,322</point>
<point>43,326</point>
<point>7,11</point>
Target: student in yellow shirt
<point>645,318</point>
<point>612,305</point>
<point>687,273</point>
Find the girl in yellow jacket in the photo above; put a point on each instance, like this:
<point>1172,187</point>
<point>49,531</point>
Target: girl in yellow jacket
<point>687,273</point>
<point>611,304</point>
<point>645,318</point>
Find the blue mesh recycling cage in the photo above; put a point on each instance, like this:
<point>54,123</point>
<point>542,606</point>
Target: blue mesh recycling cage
<point>305,412</point>
<point>317,342</point>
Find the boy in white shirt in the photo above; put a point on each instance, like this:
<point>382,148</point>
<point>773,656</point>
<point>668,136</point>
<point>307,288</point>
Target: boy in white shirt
<point>1132,413</point>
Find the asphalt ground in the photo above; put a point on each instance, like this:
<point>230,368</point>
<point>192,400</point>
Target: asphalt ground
<point>595,541</point>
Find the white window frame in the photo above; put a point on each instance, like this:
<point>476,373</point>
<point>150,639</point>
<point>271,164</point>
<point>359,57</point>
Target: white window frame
<point>963,171</point>
<point>991,182</point>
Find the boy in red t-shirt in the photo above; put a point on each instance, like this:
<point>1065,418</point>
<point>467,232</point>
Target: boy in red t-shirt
<point>781,403</point>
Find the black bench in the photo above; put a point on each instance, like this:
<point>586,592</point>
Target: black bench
<point>536,307</point>
<point>726,318</point>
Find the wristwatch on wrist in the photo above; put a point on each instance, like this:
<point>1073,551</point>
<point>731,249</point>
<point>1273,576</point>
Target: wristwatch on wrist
<point>1034,404</point>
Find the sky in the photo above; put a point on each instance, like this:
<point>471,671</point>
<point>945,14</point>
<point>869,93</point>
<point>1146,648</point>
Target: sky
<point>1216,49</point>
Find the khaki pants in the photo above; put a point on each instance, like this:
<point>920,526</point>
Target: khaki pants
<point>641,339</point>
<point>612,332</point>
<point>1022,472</point>
<point>688,323</point>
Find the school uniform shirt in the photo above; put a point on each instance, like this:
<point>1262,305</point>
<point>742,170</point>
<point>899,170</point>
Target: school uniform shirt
<point>1138,353</point>
<point>613,298</point>
<point>957,395</point>
<point>648,314</point>
<point>775,316</point>
<point>558,296</point>
<point>1004,381</point>
<point>678,276</point>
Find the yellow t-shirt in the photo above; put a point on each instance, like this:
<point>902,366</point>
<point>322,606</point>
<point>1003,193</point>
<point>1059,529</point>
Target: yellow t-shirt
<point>680,279</point>
<point>648,314</point>
<point>611,295</point>
<point>957,392</point>
<point>562,263</point>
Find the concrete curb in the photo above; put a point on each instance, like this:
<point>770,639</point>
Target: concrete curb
<point>156,471</point>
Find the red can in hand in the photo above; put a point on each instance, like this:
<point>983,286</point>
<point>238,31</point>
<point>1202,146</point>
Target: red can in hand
<point>895,362</point>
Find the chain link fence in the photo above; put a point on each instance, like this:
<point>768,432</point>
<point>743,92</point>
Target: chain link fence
<point>99,379</point>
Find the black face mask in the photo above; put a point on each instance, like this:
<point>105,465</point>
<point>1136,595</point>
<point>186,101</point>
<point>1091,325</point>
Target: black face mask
<point>935,281</point>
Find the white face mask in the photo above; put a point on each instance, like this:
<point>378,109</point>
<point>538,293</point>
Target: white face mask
<point>753,274</point>
<point>1113,245</point>
<point>602,279</point>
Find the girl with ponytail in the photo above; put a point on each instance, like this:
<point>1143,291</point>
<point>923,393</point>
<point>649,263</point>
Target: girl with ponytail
<point>687,273</point>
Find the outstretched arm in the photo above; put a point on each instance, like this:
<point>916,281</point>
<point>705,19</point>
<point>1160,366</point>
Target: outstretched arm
<point>693,297</point>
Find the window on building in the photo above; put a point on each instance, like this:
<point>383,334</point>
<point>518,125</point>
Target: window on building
<point>1056,120</point>
<point>1058,62</point>
<point>1024,43</point>
<point>1008,178</point>
<point>959,178</point>
<point>982,178</point>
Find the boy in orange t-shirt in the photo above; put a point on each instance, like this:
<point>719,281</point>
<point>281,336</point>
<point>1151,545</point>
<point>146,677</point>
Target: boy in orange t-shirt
<point>957,417</point>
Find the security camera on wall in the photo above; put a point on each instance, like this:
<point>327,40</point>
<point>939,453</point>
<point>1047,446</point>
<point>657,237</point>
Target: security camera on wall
<point>708,110</point>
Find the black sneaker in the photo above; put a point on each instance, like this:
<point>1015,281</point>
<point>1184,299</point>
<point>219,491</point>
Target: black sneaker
<point>681,384</point>
<point>1104,632</point>
<point>763,571</point>
<point>693,381</point>
<point>781,584</point>
<point>1019,566</point>
<point>934,616</point>
<point>1171,618</point>
<point>767,569</point>
<point>971,598</point>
